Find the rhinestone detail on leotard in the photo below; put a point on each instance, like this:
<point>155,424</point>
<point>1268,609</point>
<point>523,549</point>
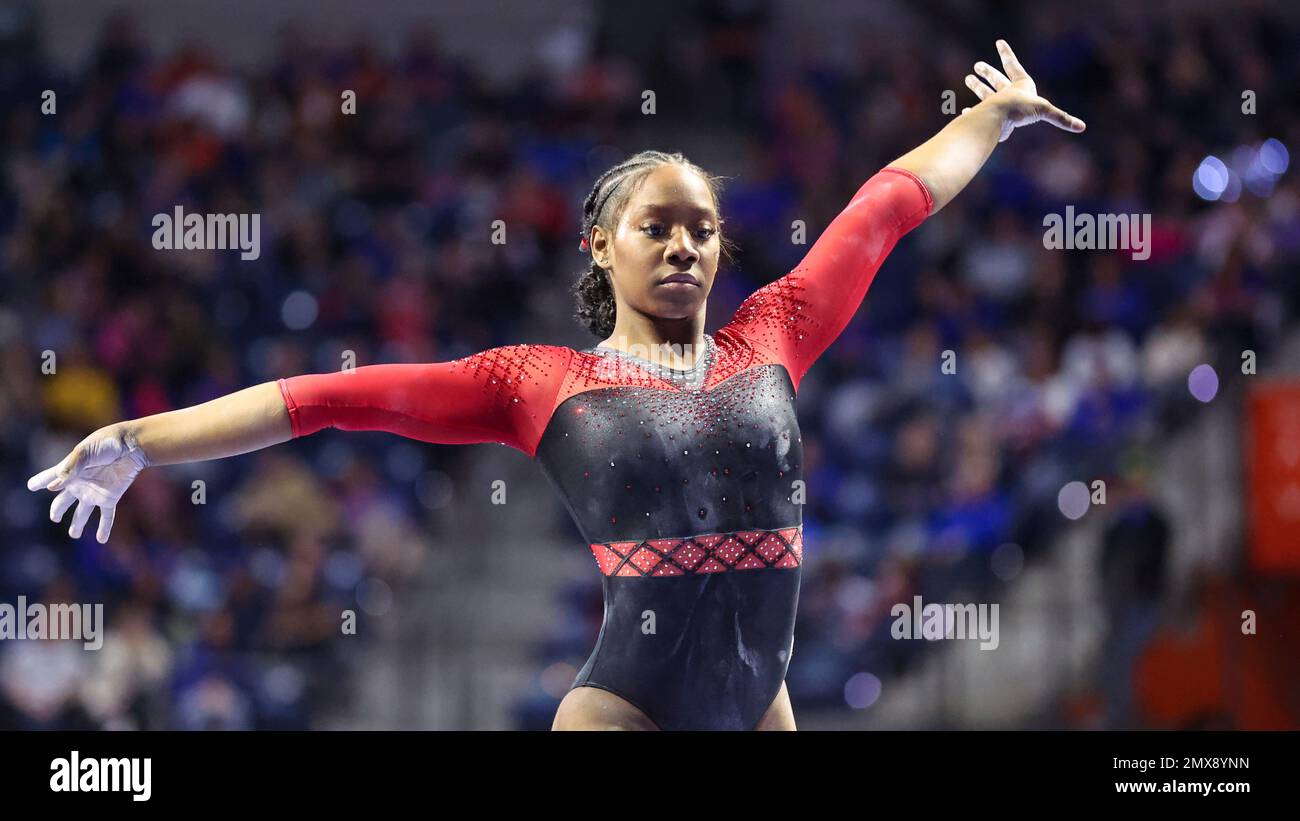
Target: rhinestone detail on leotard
<point>706,553</point>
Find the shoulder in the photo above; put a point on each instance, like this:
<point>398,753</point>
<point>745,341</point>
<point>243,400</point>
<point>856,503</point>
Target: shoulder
<point>513,374</point>
<point>770,314</point>
<point>530,360</point>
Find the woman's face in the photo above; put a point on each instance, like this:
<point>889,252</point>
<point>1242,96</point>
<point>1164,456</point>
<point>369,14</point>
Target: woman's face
<point>664,249</point>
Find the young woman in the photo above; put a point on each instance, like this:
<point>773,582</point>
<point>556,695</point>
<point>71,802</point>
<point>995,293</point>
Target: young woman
<point>679,468</point>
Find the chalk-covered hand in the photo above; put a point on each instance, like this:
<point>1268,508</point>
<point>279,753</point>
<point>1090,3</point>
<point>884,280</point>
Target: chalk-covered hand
<point>95,475</point>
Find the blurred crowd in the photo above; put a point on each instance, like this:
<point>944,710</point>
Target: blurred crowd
<point>375,241</point>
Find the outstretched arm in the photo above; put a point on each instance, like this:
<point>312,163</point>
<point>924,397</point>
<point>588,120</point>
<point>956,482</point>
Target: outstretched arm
<point>499,395</point>
<point>950,159</point>
<point>243,421</point>
<point>103,465</point>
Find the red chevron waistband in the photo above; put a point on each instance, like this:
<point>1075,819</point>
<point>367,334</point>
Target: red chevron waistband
<point>707,553</point>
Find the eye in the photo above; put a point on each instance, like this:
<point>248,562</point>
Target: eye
<point>656,229</point>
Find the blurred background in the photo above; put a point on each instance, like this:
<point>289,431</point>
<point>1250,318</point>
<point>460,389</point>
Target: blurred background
<point>223,598</point>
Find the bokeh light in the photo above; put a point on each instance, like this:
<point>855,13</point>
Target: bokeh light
<point>1203,382</point>
<point>1073,500</point>
<point>1211,178</point>
<point>861,690</point>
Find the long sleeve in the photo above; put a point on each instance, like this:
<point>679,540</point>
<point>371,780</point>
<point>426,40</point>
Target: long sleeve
<point>503,395</point>
<point>798,316</point>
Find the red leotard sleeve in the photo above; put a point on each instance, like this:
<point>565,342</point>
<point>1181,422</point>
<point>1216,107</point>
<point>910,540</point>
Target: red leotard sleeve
<point>500,395</point>
<point>799,315</point>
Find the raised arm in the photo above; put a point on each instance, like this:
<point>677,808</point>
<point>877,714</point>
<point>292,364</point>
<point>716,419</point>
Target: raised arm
<point>797,317</point>
<point>950,159</point>
<point>499,395</point>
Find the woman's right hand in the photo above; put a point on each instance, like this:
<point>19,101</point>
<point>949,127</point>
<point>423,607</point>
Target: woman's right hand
<point>96,474</point>
<point>1016,95</point>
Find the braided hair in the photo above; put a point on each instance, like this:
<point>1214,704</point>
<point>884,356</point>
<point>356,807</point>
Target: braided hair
<point>594,291</point>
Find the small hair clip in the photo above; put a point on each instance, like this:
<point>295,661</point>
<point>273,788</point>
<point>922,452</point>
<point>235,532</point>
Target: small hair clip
<point>582,245</point>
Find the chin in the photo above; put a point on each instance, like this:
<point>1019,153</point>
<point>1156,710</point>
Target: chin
<point>677,309</point>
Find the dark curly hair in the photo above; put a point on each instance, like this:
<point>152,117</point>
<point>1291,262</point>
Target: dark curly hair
<point>604,206</point>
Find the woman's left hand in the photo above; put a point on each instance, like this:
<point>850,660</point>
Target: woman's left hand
<point>1016,95</point>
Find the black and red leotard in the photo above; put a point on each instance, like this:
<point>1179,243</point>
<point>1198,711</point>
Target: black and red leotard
<point>682,482</point>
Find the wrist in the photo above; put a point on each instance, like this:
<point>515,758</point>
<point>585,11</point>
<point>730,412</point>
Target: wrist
<point>997,105</point>
<point>127,434</point>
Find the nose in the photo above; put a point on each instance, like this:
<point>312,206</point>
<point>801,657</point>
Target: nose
<point>681,250</point>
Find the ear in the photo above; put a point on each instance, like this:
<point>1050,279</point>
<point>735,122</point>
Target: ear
<point>600,247</point>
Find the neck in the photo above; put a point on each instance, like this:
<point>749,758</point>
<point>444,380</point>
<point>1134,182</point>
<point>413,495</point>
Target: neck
<point>677,343</point>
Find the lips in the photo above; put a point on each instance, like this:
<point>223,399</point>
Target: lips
<point>684,278</point>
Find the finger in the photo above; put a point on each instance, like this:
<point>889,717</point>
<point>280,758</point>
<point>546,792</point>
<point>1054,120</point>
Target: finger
<point>43,478</point>
<point>1060,119</point>
<point>106,515</point>
<point>60,505</point>
<point>964,110</point>
<point>981,90</point>
<point>67,468</point>
<point>996,78</point>
<point>1014,70</point>
<point>80,517</point>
